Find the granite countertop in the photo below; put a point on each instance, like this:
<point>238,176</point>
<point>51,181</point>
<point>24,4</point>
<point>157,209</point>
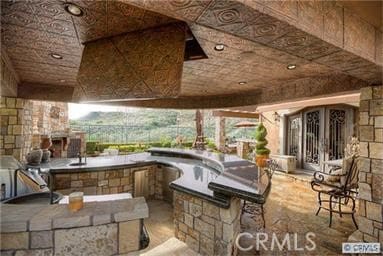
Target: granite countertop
<point>213,176</point>
<point>62,165</point>
<point>38,217</point>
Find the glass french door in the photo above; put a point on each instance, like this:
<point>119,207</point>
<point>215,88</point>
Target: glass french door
<point>313,133</point>
<point>325,134</point>
<point>294,137</point>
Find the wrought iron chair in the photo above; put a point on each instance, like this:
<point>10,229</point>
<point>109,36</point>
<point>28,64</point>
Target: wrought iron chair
<point>340,185</point>
<point>257,209</point>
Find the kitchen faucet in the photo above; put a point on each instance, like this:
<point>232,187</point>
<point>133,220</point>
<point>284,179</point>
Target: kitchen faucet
<point>79,157</point>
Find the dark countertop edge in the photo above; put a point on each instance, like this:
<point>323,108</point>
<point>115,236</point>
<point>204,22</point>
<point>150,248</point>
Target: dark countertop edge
<point>65,170</point>
<point>230,191</point>
<point>190,154</point>
<point>220,203</point>
<point>215,187</point>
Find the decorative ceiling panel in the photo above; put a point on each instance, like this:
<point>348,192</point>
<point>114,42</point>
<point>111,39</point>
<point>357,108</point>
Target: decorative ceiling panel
<point>258,47</point>
<point>109,18</point>
<point>187,10</point>
<point>240,20</point>
<point>140,64</point>
<point>343,61</point>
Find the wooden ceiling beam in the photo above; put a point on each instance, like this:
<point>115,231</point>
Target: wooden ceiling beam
<point>233,113</point>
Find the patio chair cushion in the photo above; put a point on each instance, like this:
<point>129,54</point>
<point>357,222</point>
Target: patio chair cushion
<point>346,167</point>
<point>334,178</point>
<point>328,188</point>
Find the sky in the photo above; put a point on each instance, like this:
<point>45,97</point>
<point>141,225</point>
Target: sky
<point>78,110</point>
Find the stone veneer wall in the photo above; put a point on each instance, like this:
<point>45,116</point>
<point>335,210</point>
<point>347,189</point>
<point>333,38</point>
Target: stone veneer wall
<point>370,214</point>
<point>100,228</point>
<point>21,119</point>
<point>16,127</point>
<point>204,227</point>
<point>44,123</point>
<point>273,130</point>
<point>9,78</point>
<point>108,182</point>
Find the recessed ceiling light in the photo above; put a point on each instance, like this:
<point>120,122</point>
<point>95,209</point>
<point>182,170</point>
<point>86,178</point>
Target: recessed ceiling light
<point>73,9</point>
<point>242,82</point>
<point>219,47</point>
<point>56,56</point>
<point>291,66</point>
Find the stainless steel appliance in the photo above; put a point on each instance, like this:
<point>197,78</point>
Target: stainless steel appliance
<point>16,181</point>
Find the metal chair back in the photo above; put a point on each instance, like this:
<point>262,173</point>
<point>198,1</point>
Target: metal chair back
<point>352,176</point>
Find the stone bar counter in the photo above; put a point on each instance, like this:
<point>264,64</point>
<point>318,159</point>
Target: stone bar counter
<point>207,189</point>
<point>99,228</point>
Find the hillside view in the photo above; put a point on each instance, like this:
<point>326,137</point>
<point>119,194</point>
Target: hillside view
<point>149,125</point>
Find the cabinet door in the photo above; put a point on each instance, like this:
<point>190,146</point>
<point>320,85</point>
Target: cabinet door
<point>169,174</point>
<point>141,183</point>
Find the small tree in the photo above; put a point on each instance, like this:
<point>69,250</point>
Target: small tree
<point>262,153</point>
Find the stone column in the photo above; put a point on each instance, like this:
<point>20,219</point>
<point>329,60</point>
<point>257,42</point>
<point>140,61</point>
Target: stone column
<point>16,127</point>
<point>370,214</point>
<point>204,227</point>
<point>220,135</point>
<point>243,149</point>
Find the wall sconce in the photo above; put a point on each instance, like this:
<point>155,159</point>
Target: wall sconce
<point>276,117</point>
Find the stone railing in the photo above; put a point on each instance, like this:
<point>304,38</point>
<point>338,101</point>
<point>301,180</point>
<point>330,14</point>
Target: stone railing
<point>99,228</point>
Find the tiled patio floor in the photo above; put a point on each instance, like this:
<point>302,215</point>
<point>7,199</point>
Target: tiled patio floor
<point>290,208</point>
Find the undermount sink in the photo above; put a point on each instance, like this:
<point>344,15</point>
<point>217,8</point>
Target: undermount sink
<point>77,164</point>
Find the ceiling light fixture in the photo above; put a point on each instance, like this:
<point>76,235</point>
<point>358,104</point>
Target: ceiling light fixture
<point>291,66</point>
<point>219,47</point>
<point>56,56</point>
<point>242,82</point>
<point>73,9</point>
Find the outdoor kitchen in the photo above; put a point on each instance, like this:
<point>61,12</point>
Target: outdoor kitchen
<point>233,120</point>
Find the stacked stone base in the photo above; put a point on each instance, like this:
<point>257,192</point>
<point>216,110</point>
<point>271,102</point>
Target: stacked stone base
<point>370,213</point>
<point>111,181</point>
<point>204,227</point>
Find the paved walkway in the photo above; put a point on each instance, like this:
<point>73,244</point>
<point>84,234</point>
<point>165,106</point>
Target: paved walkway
<point>291,208</point>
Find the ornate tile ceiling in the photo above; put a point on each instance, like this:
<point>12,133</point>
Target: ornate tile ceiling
<point>32,30</point>
<point>259,44</point>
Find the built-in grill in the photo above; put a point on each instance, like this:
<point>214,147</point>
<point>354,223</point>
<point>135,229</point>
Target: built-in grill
<point>19,185</point>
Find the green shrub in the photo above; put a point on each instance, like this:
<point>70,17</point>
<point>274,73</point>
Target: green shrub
<point>91,147</point>
<point>210,144</point>
<point>260,136</point>
<point>166,142</point>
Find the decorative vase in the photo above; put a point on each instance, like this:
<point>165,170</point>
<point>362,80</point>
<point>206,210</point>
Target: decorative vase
<point>34,157</point>
<point>261,160</point>
<point>46,156</point>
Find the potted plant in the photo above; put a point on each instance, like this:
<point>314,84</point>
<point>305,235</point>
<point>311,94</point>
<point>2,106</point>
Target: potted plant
<point>262,153</point>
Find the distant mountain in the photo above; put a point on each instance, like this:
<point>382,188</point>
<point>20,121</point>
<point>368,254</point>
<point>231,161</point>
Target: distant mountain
<point>152,124</point>
<point>145,117</point>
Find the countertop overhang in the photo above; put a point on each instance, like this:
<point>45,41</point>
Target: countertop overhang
<point>212,176</point>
